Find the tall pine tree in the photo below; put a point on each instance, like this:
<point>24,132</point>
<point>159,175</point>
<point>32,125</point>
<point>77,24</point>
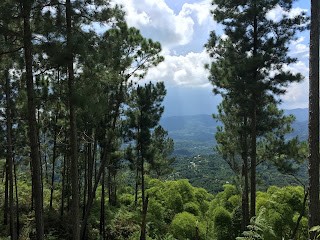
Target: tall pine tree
<point>249,66</point>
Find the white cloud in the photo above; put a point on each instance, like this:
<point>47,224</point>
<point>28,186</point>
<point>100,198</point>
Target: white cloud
<point>278,12</point>
<point>158,21</point>
<point>182,70</point>
<point>299,48</point>
<point>297,93</point>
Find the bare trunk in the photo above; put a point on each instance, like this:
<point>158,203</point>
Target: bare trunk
<point>253,155</point>
<point>245,178</point>
<point>63,190</point>
<point>32,122</point>
<point>144,218</point>
<point>102,208</point>
<point>6,196</point>
<point>54,156</point>
<point>253,158</point>
<point>303,210</point>
<point>73,128</point>
<point>13,232</point>
<point>17,199</point>
<point>314,204</point>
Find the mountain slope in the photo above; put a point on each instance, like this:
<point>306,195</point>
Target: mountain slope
<point>195,134</point>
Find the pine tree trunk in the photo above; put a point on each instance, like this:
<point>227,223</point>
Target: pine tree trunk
<point>32,122</point>
<point>245,191</point>
<point>105,156</point>
<point>73,128</point>
<point>54,156</point>
<point>253,155</point>
<point>85,187</point>
<point>245,176</point>
<point>136,187</point>
<point>253,158</point>
<point>63,190</point>
<point>302,212</point>
<point>17,198</point>
<point>144,218</point>
<point>144,200</point>
<point>13,232</point>
<point>314,204</point>
<point>91,163</point>
<point>6,196</point>
<point>102,208</point>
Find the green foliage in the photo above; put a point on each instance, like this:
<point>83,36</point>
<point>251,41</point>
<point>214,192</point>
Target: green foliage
<point>279,207</point>
<point>258,229</point>
<point>222,224</point>
<point>184,226</point>
<point>192,208</point>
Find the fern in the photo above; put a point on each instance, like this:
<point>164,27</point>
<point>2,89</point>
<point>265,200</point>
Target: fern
<point>258,229</point>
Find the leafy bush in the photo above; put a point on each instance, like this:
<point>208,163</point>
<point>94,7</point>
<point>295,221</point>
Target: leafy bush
<point>222,224</point>
<point>184,226</point>
<point>192,208</point>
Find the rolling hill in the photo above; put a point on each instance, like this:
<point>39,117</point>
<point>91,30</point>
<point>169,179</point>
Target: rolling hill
<point>195,134</point>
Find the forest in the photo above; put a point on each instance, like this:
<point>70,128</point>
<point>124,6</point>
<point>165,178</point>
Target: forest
<point>86,153</point>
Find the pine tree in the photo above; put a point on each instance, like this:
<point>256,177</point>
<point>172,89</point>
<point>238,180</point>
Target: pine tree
<point>144,114</point>
<point>254,47</point>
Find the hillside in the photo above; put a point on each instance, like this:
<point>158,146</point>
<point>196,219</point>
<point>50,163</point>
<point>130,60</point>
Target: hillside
<point>194,135</point>
<point>197,161</point>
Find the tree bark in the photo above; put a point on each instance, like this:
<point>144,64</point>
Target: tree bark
<point>63,190</point>
<point>54,156</point>
<point>253,167</point>
<point>253,155</point>
<point>6,195</point>
<point>73,128</point>
<point>32,121</point>
<point>17,198</point>
<point>303,209</point>
<point>13,232</point>
<point>313,141</point>
<point>102,208</point>
<point>144,218</point>
<point>105,156</point>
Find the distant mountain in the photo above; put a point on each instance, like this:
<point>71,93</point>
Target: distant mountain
<point>199,128</point>
<point>195,134</point>
<point>301,114</point>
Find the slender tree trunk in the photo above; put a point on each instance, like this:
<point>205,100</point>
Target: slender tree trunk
<point>92,195</point>
<point>112,184</point>
<point>32,121</point>
<point>102,207</point>
<point>63,183</point>
<point>136,187</point>
<point>13,232</point>
<point>104,159</point>
<point>17,198</point>
<point>114,189</point>
<point>245,176</point>
<point>253,166</point>
<point>253,155</point>
<point>303,210</point>
<point>144,199</point>
<point>314,204</point>
<point>245,192</point>
<point>90,169</point>
<point>85,187</point>
<point>144,218</point>
<point>6,196</point>
<point>73,128</point>
<point>54,156</point>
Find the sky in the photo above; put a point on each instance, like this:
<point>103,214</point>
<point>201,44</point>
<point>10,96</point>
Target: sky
<point>183,27</point>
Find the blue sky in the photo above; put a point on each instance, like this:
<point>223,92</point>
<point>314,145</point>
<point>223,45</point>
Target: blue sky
<point>183,27</point>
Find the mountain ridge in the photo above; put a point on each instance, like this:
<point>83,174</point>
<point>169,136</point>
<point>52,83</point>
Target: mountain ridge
<point>195,133</point>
